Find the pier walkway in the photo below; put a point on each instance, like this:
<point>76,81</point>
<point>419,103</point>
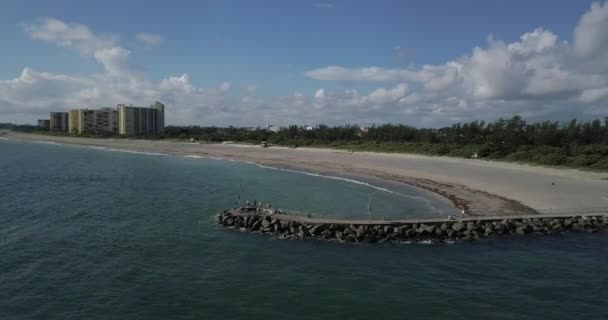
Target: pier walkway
<point>598,212</point>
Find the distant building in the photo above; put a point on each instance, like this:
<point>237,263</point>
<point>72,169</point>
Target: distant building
<point>81,121</point>
<point>59,121</point>
<point>141,121</point>
<point>44,124</point>
<point>308,128</point>
<point>272,128</point>
<point>106,120</point>
<point>73,121</point>
<point>124,120</point>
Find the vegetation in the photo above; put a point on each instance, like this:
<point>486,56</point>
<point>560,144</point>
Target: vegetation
<point>572,143</point>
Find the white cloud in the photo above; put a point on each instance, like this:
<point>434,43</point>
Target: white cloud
<point>536,76</point>
<point>324,5</point>
<point>594,95</point>
<point>150,39</point>
<point>70,35</point>
<point>224,86</point>
<point>377,74</point>
<point>591,33</point>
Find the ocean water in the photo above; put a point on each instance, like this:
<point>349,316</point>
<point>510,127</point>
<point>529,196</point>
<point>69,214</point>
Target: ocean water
<point>100,234</point>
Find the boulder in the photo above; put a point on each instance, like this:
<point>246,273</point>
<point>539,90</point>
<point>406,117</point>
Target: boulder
<point>265,223</point>
<point>326,234</point>
<point>360,232</point>
<point>339,235</point>
<point>520,230</point>
<point>316,229</point>
<point>428,228</point>
<point>303,232</point>
<point>252,220</point>
<point>489,229</point>
<point>256,225</point>
<point>457,226</point>
<point>471,226</point>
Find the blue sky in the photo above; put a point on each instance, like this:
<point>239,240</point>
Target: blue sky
<point>254,62</point>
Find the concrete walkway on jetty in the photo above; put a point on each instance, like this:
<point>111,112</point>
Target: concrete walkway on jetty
<point>286,226</point>
<point>317,221</point>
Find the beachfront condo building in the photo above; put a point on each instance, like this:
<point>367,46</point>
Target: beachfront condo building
<point>59,121</point>
<point>104,120</point>
<point>141,121</point>
<point>124,120</point>
<point>43,124</point>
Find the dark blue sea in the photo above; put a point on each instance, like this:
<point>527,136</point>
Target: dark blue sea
<point>99,234</point>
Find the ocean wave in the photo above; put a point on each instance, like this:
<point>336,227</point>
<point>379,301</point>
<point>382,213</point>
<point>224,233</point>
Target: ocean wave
<point>3,138</point>
<point>427,201</point>
<point>326,177</point>
<point>129,151</point>
<point>47,142</point>
<point>195,156</point>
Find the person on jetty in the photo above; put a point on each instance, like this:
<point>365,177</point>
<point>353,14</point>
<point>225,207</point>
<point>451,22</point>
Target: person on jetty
<point>269,208</point>
<point>247,204</point>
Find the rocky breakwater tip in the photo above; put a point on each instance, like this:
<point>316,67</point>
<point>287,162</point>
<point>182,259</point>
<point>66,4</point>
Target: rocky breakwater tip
<point>290,227</point>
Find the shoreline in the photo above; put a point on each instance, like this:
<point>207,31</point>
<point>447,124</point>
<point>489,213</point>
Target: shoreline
<point>469,186</point>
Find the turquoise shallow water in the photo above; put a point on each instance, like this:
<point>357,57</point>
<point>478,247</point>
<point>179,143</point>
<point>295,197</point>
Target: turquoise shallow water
<point>93,234</point>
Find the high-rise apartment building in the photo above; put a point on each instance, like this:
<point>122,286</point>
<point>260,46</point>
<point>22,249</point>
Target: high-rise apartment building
<point>124,120</point>
<point>43,124</point>
<point>74,121</point>
<point>59,121</point>
<point>141,121</point>
<point>104,120</point>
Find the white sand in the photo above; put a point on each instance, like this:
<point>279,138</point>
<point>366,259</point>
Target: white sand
<point>483,186</point>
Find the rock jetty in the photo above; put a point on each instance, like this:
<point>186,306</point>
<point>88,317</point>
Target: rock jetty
<point>287,226</point>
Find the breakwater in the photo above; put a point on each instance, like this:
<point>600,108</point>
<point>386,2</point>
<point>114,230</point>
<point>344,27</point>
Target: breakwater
<point>286,226</point>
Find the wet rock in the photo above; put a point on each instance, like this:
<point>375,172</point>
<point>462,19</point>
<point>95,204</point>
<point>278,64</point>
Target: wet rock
<point>326,234</point>
<point>428,228</point>
<point>471,226</point>
<point>339,235</point>
<point>303,232</point>
<point>360,232</point>
<point>458,227</point>
<point>256,225</point>
<point>520,230</point>
<point>489,229</point>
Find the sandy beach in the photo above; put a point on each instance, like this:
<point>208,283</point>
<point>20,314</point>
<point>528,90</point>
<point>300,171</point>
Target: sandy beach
<point>480,187</point>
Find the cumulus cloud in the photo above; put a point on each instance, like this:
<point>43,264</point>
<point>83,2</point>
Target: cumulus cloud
<point>538,75</point>
<point>324,5</point>
<point>150,39</point>
<point>71,35</point>
<point>35,93</point>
